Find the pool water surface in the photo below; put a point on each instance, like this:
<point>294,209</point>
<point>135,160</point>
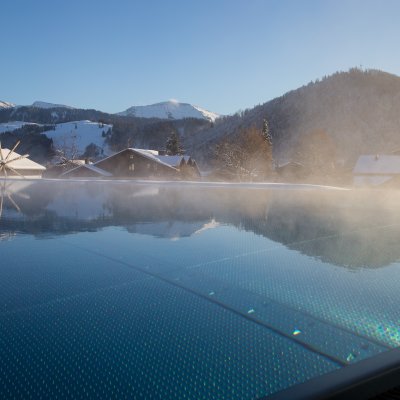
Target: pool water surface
<point>141,291</point>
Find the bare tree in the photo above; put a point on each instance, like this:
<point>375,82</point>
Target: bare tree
<point>66,150</point>
<point>247,157</point>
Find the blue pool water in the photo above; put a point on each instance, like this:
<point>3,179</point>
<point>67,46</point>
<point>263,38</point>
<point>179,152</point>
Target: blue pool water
<point>121,290</point>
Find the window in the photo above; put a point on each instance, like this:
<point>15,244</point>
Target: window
<point>131,167</point>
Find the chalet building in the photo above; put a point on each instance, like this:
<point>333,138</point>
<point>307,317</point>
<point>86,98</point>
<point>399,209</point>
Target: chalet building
<point>290,171</point>
<point>377,170</point>
<point>56,170</point>
<point>14,165</point>
<point>186,165</point>
<point>139,163</point>
<point>86,171</point>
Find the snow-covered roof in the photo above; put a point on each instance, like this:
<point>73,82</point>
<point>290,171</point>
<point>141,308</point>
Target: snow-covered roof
<point>289,163</point>
<point>90,167</point>
<point>146,151</point>
<point>149,154</point>
<point>21,164</point>
<point>174,161</point>
<point>377,164</point>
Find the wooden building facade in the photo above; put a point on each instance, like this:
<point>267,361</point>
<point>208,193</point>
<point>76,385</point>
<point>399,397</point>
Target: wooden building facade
<point>137,163</point>
<point>127,164</point>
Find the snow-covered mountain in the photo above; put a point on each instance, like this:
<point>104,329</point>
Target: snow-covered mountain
<point>170,110</point>
<point>43,104</point>
<point>6,104</point>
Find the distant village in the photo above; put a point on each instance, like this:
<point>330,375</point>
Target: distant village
<point>129,163</point>
<point>378,170</point>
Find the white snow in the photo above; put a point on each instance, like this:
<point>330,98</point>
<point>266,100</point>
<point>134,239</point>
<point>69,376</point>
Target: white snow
<point>173,161</point>
<point>21,163</point>
<point>370,180</point>
<point>13,125</point>
<point>171,109</point>
<point>78,134</point>
<point>207,114</point>
<point>43,104</point>
<point>374,170</point>
<point>377,164</point>
<point>93,168</point>
<point>6,104</point>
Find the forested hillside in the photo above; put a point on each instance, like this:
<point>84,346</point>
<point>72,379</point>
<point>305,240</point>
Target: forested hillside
<point>359,111</point>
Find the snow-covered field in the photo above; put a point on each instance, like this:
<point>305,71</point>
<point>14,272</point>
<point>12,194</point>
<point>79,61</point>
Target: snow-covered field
<point>13,125</point>
<point>79,134</point>
<point>68,135</point>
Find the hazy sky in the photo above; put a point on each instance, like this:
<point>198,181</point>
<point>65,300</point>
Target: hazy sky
<point>223,55</point>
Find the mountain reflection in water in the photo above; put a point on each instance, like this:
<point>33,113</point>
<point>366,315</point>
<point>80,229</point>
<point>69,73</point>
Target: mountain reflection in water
<point>345,228</point>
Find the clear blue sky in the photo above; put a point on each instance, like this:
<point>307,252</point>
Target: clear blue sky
<point>223,55</point>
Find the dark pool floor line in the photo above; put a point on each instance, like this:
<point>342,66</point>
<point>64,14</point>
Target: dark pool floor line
<point>338,361</point>
<point>321,320</point>
<point>280,304</point>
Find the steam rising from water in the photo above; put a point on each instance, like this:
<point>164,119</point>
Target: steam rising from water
<point>357,228</point>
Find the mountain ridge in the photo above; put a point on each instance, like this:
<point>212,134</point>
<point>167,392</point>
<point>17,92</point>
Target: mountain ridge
<point>6,104</point>
<point>47,105</point>
<point>171,109</point>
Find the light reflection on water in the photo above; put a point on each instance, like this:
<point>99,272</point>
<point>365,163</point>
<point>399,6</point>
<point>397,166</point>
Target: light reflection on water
<point>316,270</point>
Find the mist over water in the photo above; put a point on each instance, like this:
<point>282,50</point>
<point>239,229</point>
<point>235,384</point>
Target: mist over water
<point>354,228</point>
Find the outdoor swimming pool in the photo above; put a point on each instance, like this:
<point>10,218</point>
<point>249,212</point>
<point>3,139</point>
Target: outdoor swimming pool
<point>124,290</point>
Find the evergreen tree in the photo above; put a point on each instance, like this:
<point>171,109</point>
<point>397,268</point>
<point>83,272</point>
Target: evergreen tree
<point>92,151</point>
<point>266,132</point>
<point>173,146</point>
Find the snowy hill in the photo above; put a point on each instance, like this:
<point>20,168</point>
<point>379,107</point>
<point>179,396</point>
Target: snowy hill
<point>77,135</point>
<point>170,110</point>
<point>13,125</point>
<point>5,104</point>
<point>45,105</point>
